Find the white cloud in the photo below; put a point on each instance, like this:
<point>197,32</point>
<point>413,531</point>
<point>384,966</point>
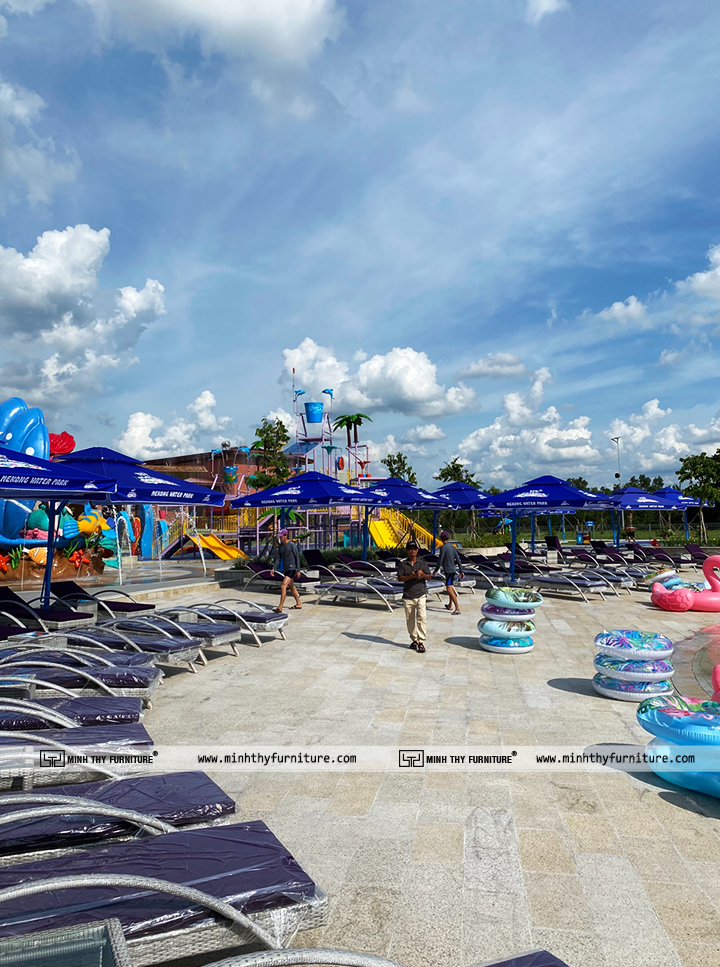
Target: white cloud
<point>280,31</point>
<point>496,365</point>
<point>425,433</point>
<point>668,357</point>
<point>147,436</point>
<point>639,426</point>
<point>537,9</point>
<point>705,284</point>
<point>56,344</point>
<point>400,381</point>
<point>27,160</point>
<point>287,419</point>
<point>630,312</point>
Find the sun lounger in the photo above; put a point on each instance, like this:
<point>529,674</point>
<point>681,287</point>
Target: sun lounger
<point>167,649</point>
<point>374,567</point>
<point>240,867</point>
<point>72,593</point>
<point>256,619</point>
<point>52,756</point>
<point>49,619</point>
<point>72,657</point>
<point>210,634</point>
<point>262,576</point>
<point>696,552</point>
<point>566,582</point>
<point>98,945</point>
<point>21,715</point>
<point>112,680</point>
<point>180,799</point>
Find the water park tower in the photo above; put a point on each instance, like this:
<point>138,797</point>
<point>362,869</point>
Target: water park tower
<point>313,448</point>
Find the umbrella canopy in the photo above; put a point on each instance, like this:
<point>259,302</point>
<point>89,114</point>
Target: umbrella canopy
<point>462,496</point>
<point>632,498</point>
<point>23,476</point>
<point>309,489</point>
<point>680,500</point>
<point>400,493</point>
<point>544,494</point>
<point>136,483</point>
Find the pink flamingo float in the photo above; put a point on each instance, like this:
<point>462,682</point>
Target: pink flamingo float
<point>683,599</point>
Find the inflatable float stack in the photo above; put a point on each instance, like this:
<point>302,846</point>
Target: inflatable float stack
<point>632,666</point>
<point>506,626</point>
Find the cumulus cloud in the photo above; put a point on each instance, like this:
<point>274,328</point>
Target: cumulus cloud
<point>705,284</point>
<point>425,433</point>
<point>537,9</point>
<point>639,426</point>
<point>57,344</point>
<point>496,365</point>
<point>287,419</point>
<point>29,164</point>
<point>400,381</point>
<point>147,436</point>
<point>630,312</point>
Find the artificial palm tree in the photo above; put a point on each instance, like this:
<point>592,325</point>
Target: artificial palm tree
<point>351,422</point>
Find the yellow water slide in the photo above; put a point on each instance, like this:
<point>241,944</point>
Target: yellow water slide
<point>394,529</point>
<point>209,542</point>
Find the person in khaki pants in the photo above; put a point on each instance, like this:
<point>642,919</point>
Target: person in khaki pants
<point>413,574</point>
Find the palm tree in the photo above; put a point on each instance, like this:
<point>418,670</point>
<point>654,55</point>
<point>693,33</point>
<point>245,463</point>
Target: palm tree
<point>352,421</point>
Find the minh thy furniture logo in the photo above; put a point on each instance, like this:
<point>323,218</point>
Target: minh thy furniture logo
<point>411,758</point>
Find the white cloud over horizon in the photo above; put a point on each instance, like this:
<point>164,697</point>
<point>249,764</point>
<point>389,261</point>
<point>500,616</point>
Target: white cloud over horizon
<point>147,436</point>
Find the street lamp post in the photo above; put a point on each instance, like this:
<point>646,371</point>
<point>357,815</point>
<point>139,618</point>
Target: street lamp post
<point>616,441</point>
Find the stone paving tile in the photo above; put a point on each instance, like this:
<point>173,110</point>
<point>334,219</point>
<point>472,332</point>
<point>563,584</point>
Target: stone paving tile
<point>449,868</point>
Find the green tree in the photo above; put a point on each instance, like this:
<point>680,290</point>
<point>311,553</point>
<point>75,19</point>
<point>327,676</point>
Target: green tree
<point>273,466</point>
<point>657,483</point>
<point>453,471</point>
<point>351,422</point>
<point>642,482</point>
<point>398,466</point>
<point>579,482</point>
<point>701,476</point>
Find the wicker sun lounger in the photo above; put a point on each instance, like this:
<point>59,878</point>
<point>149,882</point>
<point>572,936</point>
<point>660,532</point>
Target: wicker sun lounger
<point>568,582</point>
<point>262,576</point>
<point>111,680</point>
<point>27,715</point>
<point>97,945</point>
<point>54,756</point>
<point>207,633</point>
<point>48,619</point>
<point>72,593</point>
<point>251,617</point>
<point>249,877</point>
<point>167,649</point>
<point>187,800</point>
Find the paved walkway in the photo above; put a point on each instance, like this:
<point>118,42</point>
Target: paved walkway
<point>458,868</point>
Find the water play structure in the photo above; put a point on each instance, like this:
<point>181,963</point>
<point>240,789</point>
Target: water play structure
<point>632,665</point>
<point>686,599</point>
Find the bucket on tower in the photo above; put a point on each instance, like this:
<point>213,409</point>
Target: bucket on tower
<point>313,412</point>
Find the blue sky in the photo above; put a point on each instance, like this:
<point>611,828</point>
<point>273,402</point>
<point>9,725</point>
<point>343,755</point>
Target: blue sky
<point>492,224</point>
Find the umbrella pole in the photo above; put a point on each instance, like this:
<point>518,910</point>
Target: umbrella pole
<point>532,533</point>
<point>365,534</point>
<point>47,576</point>
<point>513,538</point>
<point>435,518</point>
<point>687,531</point>
<point>562,525</point>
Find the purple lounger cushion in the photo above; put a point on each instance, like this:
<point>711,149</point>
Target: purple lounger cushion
<point>131,659</point>
<point>198,629</point>
<point>536,958</point>
<point>83,711</point>
<point>105,637</point>
<point>243,864</point>
<point>179,798</point>
<point>129,738</point>
<point>114,676</point>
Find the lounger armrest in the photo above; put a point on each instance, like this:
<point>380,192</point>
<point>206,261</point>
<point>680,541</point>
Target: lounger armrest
<point>151,884</point>
<point>43,740</point>
<point>119,591</point>
<point>31,611</point>
<point>78,671</point>
<point>90,597</point>
<point>16,621</point>
<point>12,681</point>
<point>103,647</point>
<point>38,711</point>
<point>150,823</point>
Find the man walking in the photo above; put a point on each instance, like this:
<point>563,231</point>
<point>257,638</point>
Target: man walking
<point>413,575</point>
<point>289,563</point>
<point>449,563</point>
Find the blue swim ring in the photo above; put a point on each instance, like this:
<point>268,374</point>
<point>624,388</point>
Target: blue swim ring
<point>682,720</point>
<point>629,644</point>
<point>629,691</point>
<point>635,670</point>
<point>507,646</point>
<point>505,629</point>
<point>496,613</point>
<point>519,598</point>
<point>705,780</point>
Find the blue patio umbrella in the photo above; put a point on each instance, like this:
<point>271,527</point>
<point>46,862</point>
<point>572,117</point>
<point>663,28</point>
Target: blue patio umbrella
<point>309,489</point>
<point>25,477</point>
<point>463,496</point>
<point>542,495</point>
<point>400,493</point>
<point>633,498</point>
<point>138,484</point>
<point>681,502</point>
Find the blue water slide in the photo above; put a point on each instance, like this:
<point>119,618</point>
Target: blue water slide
<point>23,430</point>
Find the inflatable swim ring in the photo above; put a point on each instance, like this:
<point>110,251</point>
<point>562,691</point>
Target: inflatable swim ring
<point>657,670</point>
<point>707,781</point>
<point>633,644</point>
<point>514,598</point>
<point>629,691</point>
<point>506,614</point>
<point>687,721</point>
<point>504,646</point>
<point>505,629</point>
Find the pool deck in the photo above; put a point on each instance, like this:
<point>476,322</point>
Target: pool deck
<point>456,868</point>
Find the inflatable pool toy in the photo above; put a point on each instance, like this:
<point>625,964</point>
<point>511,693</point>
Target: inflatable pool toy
<point>678,722</point>
<point>505,629</point>
<point>23,430</point>
<point>518,598</point>
<point>684,599</point>
<point>629,691</point>
<point>657,670</point>
<point>633,644</point>
<point>715,679</point>
<point>91,522</point>
<point>506,614</point>
<point>504,646</point>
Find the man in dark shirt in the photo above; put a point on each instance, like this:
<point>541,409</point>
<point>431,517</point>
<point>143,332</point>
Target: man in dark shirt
<point>289,563</point>
<point>413,574</point>
<point>449,564</point>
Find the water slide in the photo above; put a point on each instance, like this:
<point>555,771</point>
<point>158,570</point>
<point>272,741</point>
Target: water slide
<point>394,530</point>
<point>221,550</point>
